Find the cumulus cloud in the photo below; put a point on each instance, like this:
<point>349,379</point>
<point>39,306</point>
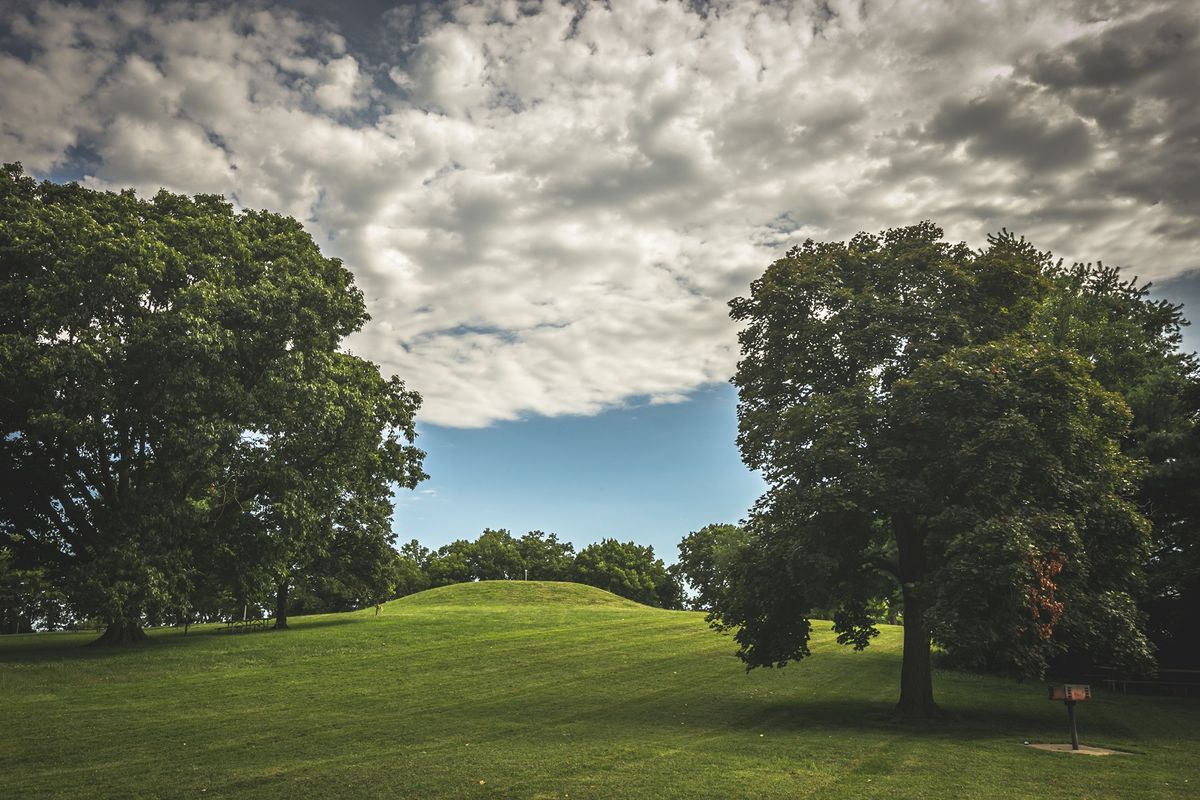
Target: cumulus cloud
<point>548,205</point>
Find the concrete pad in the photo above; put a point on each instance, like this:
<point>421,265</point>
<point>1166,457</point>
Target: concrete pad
<point>1084,750</point>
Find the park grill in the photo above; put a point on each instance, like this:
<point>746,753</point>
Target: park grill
<point>1070,694</point>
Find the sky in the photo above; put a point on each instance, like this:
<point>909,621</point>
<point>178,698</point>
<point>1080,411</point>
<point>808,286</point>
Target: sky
<point>549,205</point>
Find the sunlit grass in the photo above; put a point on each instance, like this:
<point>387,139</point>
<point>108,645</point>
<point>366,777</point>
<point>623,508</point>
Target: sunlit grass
<point>541,690</point>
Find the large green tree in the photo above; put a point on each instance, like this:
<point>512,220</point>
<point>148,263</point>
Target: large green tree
<point>544,557</point>
<point>1134,344</point>
<point>337,440</point>
<point>630,570</point>
<point>705,561</point>
<point>146,349</point>
<point>26,598</point>
<point>940,420</point>
<point>452,563</point>
<point>1172,502</point>
<point>495,557</point>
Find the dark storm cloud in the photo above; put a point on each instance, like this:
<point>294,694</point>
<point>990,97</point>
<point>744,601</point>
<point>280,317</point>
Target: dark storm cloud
<point>997,126</point>
<point>1138,81</point>
<point>1122,56</point>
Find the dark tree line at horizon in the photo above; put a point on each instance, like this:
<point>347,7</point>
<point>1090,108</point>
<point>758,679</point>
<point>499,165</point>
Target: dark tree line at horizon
<point>626,569</point>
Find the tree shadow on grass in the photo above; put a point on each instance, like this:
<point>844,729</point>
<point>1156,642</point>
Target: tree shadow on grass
<point>839,717</point>
<point>77,645</point>
<point>324,620</point>
<point>848,715</point>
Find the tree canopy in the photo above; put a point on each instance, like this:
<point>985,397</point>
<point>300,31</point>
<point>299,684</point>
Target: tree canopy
<point>630,570</point>
<point>706,559</point>
<point>953,423</point>
<point>176,404</point>
<point>625,568</point>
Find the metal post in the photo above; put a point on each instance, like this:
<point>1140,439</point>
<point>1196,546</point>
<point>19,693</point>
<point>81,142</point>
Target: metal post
<point>1074,730</point>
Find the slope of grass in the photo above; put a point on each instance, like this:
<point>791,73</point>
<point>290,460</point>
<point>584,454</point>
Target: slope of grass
<point>540,690</point>
<point>513,593</point>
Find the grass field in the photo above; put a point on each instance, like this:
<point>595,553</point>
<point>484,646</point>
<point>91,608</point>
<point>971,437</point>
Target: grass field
<point>541,690</point>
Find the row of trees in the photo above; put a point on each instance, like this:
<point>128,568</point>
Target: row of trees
<point>179,427</point>
<point>347,579</point>
<point>623,568</point>
<point>1004,449</point>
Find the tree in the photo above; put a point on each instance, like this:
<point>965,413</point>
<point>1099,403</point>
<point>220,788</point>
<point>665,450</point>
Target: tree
<point>417,553</point>
<point>407,576</point>
<point>921,423</point>
<point>26,598</point>
<point>706,557</point>
<point>495,557</point>
<point>451,563</point>
<point>357,573</point>
<point>334,444</point>
<point>545,557</point>
<point>144,345</point>
<point>1172,502</point>
<point>1134,345</point>
<point>629,570</point>
<point>1162,387</point>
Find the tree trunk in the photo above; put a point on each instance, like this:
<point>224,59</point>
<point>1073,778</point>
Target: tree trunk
<point>281,603</point>
<point>121,633</point>
<point>916,670</point>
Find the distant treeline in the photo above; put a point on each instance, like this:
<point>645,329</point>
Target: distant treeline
<point>627,569</point>
<point>348,580</point>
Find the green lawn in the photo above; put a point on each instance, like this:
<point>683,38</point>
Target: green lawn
<point>541,690</point>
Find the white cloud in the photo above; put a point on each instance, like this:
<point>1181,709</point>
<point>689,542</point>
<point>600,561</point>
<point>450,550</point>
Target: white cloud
<point>342,86</point>
<point>547,206</point>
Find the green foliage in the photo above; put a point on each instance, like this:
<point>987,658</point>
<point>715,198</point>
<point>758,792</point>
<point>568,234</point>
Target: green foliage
<point>706,557</point>
<point>1030,535</point>
<point>629,570</point>
<point>1133,343</point>
<point>176,407</point>
<point>451,563</point>
<point>27,598</point>
<point>406,577</point>
<point>331,451</point>
<point>496,555</point>
<point>626,569</point>
<point>545,557</point>
<point>356,572</point>
<point>1172,503</point>
<point>949,423</point>
<point>417,553</point>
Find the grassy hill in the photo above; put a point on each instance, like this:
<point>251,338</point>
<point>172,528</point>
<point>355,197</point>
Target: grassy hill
<point>541,690</point>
